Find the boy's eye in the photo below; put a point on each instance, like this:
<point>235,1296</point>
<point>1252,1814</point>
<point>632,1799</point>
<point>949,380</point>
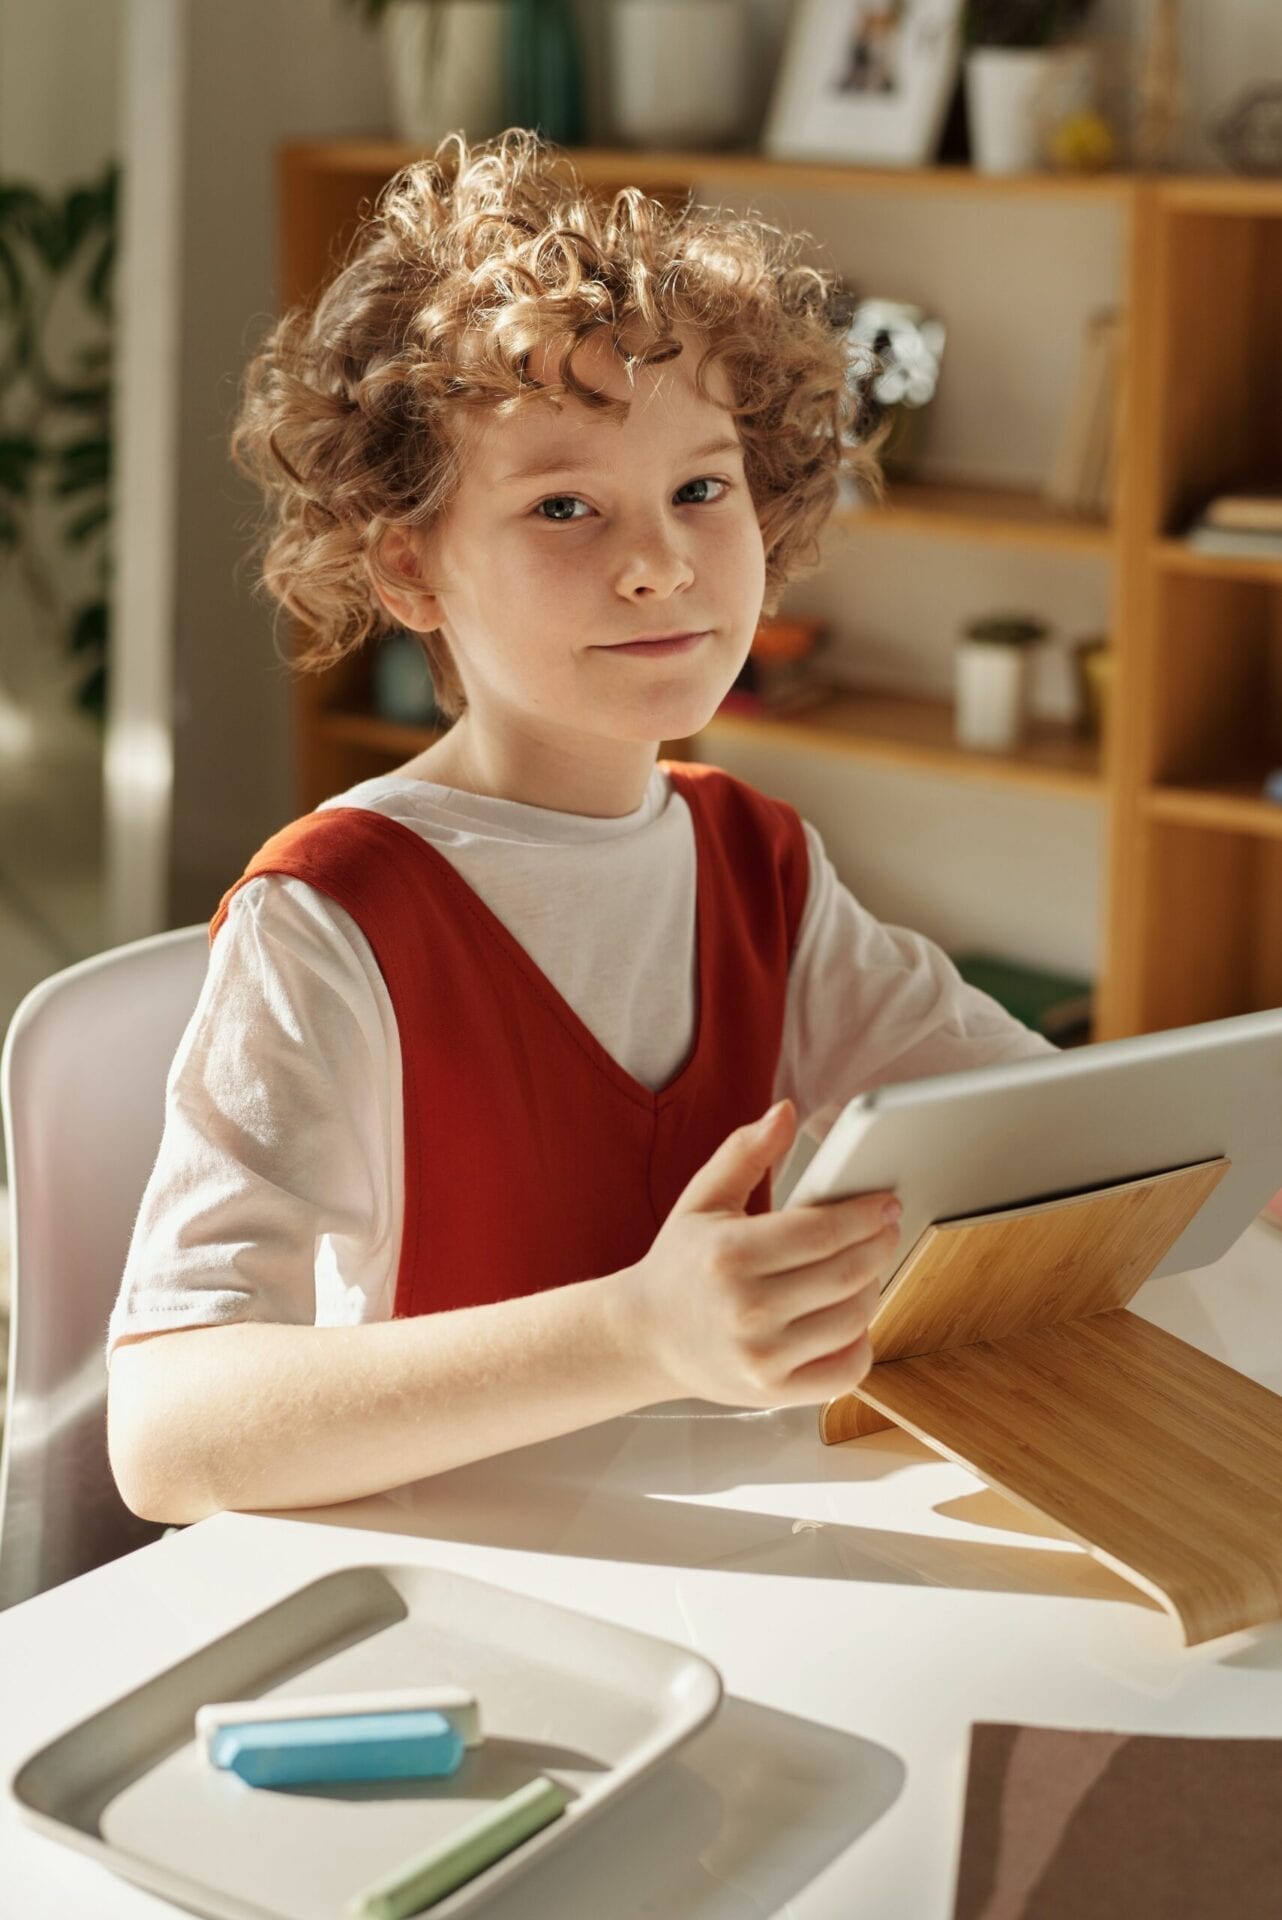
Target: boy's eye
<point>555,506</point>
<point>704,498</point>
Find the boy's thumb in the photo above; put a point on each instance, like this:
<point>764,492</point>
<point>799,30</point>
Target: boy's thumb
<point>726,1181</point>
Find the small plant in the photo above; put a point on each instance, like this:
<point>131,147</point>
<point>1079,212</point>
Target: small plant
<point>1022,23</point>
<point>1006,630</point>
<point>57,252</point>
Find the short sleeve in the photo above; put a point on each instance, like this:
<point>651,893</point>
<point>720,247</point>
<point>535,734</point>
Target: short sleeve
<point>277,1190</point>
<point>870,1003</point>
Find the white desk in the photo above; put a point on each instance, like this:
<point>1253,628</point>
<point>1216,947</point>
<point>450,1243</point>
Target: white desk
<point>864,1604</point>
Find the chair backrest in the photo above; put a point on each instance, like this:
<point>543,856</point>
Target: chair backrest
<point>83,1088</point>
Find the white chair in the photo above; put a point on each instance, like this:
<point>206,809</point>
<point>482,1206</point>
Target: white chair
<point>82,1083</point>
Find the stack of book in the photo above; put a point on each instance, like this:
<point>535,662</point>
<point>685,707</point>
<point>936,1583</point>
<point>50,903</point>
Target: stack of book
<point>1060,1006</point>
<point>1082,474</point>
<point>1245,525</point>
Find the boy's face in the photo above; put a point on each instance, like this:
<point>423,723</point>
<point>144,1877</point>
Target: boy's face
<point>573,535</point>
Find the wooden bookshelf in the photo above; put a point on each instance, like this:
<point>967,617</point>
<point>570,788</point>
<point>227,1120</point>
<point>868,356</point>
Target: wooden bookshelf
<point>1193,878</point>
<point>916,735</point>
<point>969,511</point>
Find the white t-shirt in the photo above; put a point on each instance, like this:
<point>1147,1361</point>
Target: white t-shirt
<point>277,1193</point>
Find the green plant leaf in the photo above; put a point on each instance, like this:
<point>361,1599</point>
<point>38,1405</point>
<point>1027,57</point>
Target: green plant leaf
<point>19,453</point>
<point>89,627</point>
<point>98,287</point>
<point>86,525</point>
<point>91,695</point>
<point>81,464</point>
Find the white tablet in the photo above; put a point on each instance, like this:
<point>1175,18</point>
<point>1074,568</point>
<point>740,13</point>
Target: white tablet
<point>1041,1128</point>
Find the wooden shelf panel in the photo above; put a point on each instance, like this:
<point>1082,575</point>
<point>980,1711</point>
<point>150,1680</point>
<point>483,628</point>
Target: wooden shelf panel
<point>620,166</point>
<point>1232,194</point>
<point>1176,556</point>
<point>1229,806</point>
<point>895,730</point>
<point>961,510</point>
<point>375,735</point>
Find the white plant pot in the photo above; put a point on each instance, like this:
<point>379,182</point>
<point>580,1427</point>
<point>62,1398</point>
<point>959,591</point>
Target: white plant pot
<point>679,71</point>
<point>992,683</point>
<point>1017,96</point>
<point>445,68</point>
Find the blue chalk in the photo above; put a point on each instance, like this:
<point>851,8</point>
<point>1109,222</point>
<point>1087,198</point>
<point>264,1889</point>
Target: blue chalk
<point>360,1746</point>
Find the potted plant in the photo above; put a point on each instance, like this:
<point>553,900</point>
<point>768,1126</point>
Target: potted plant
<point>1024,75</point>
<point>992,679</point>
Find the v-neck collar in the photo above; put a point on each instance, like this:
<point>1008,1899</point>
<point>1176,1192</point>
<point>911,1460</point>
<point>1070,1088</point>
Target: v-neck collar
<point>554,999</point>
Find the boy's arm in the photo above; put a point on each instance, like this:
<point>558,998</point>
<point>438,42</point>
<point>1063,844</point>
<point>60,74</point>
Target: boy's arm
<point>755,1310</point>
<point>258,1415</point>
<point>870,1003</point>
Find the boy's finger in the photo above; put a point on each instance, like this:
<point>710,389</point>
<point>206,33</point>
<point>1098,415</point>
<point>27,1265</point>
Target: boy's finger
<point>726,1181</point>
<point>804,1236</point>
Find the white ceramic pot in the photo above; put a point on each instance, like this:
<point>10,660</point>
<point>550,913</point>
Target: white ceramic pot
<point>1017,96</point>
<point>992,683</point>
<point>679,72</point>
<point>445,68</point>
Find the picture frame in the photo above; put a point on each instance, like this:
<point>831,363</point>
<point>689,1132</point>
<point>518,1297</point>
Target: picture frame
<point>867,82</point>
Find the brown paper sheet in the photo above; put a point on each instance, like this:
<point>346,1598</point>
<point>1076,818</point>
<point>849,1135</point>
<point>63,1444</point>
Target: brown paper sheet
<point>1108,1826</point>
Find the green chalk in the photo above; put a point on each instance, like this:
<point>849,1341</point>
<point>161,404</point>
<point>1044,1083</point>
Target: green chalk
<point>461,1855</point>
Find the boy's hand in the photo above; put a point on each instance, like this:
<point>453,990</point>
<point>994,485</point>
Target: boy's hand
<point>761,1310</point>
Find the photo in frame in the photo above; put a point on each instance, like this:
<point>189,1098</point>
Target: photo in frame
<point>867,82</point>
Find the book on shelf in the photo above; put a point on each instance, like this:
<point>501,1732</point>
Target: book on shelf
<point>1245,510</point>
<point>1236,543</point>
<point>1057,1005</point>
<point>1081,478</point>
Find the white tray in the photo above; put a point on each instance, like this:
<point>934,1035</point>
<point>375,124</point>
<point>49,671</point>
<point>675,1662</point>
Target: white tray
<point>594,1706</point>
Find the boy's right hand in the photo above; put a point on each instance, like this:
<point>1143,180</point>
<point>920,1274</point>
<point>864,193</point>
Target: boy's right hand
<point>760,1310</point>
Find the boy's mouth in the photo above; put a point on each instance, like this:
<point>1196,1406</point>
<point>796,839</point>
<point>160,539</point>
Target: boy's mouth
<point>659,643</point>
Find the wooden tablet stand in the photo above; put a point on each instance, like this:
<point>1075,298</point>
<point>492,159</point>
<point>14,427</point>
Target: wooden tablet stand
<point>1003,1342</point>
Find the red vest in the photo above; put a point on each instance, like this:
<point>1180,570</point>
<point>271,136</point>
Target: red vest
<point>531,1157</point>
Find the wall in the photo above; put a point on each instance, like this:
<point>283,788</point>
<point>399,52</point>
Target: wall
<point>257,76</point>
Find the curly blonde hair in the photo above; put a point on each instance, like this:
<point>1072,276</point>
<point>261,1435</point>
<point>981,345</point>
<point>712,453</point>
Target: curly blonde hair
<point>470,261</point>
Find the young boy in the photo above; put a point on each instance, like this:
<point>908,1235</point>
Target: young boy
<point>469,1140</point>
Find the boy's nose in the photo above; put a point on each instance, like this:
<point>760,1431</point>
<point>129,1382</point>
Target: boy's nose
<point>655,566</point>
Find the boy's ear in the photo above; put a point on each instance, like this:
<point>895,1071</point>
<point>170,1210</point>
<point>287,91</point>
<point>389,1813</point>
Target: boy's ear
<point>412,605</point>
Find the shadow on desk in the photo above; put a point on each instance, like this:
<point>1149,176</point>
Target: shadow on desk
<point>590,1521</point>
<point>756,1807</point>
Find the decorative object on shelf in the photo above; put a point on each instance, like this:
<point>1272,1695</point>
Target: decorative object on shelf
<point>1024,80</point>
<point>1250,134</point>
<point>1084,143</point>
<point>679,72</point>
<point>904,349</point>
<point>1058,1005</point>
<point>401,682</point>
<point>1161,102</point>
<point>992,680</point>
<point>779,674</point>
<point>867,82</point>
<point>1083,471</point>
<point>1093,670</point>
<point>444,66</point>
<point>545,70</point>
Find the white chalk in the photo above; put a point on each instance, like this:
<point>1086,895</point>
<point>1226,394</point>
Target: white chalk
<point>456,1703</point>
